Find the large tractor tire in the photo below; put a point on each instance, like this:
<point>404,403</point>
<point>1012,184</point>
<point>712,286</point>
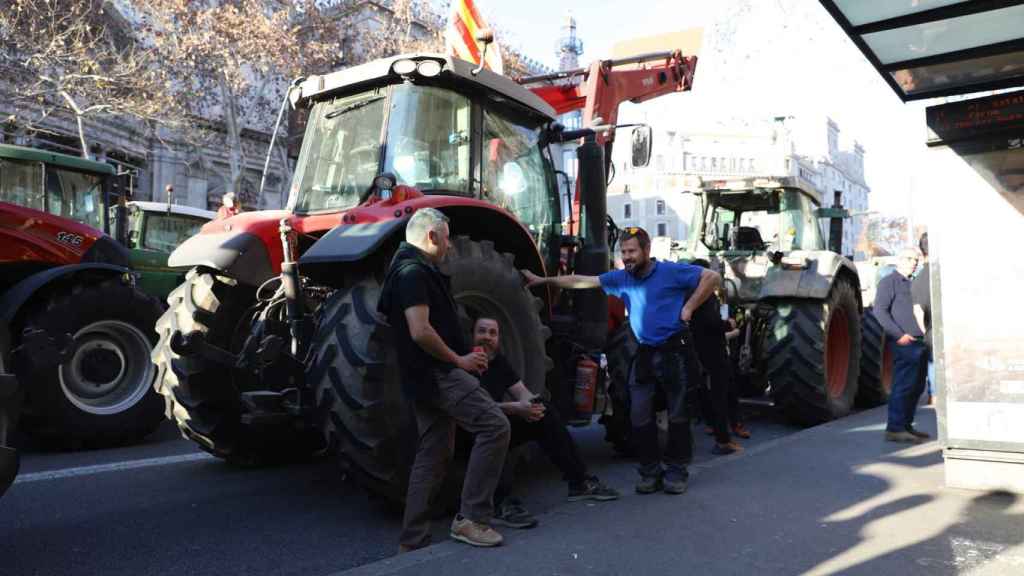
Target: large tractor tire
<point>10,408</point>
<point>619,351</point>
<point>203,397</point>
<point>813,355</point>
<point>102,393</point>
<point>361,410</point>
<point>876,363</point>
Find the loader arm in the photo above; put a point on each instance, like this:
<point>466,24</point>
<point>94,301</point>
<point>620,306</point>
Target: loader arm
<point>607,83</point>
<point>599,89</point>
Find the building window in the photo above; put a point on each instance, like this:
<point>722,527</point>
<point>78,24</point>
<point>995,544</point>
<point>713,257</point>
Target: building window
<point>662,229</point>
<point>627,211</point>
<point>660,208</point>
<point>837,198</point>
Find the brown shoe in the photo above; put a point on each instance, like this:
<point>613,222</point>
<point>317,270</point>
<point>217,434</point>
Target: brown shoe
<point>474,533</point>
<point>918,433</point>
<point>740,430</point>
<point>903,437</point>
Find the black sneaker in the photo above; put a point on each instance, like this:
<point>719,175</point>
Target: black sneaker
<point>918,433</point>
<point>513,514</point>
<point>674,486</point>
<point>648,485</point>
<point>592,489</point>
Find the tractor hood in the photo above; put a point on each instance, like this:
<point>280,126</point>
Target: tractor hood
<point>800,274</point>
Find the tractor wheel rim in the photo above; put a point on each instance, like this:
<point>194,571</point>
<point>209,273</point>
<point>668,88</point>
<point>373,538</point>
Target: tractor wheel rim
<point>109,369</point>
<point>837,353</point>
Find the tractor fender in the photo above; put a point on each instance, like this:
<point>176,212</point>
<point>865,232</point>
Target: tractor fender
<point>351,243</point>
<point>13,299</point>
<point>814,281</point>
<point>347,243</point>
<point>240,255</point>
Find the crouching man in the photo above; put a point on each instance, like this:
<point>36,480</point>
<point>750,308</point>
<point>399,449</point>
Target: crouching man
<point>532,420</point>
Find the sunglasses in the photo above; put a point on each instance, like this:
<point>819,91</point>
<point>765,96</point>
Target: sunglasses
<point>632,230</point>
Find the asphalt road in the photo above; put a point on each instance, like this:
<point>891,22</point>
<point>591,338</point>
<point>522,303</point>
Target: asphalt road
<point>164,507</point>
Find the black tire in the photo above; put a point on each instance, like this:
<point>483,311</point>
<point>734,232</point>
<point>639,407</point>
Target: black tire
<point>10,408</point>
<point>813,356</point>
<point>875,363</point>
<point>102,393</point>
<point>202,397</point>
<point>361,410</point>
<point>619,352</point>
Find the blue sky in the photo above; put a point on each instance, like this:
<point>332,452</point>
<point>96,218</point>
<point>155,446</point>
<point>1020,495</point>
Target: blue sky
<point>761,58</point>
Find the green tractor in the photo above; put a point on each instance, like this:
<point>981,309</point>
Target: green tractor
<point>797,303</point>
<point>76,329</point>
<point>151,231</point>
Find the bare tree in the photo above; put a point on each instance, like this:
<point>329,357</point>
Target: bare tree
<point>232,60</point>
<point>74,57</point>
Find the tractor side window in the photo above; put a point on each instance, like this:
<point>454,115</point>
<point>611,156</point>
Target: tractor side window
<point>513,172</point>
<point>798,224</point>
<point>21,183</point>
<point>75,195</point>
<point>165,232</point>
<point>429,139</point>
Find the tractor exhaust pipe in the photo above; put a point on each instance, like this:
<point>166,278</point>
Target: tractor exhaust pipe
<point>592,305</point>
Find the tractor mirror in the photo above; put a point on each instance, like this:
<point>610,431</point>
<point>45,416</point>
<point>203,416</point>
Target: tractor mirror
<point>642,141</point>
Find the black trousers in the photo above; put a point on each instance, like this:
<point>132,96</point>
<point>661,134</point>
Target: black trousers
<point>662,369</point>
<point>551,434</point>
<point>719,396</point>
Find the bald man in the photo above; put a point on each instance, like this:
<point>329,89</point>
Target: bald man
<point>894,309</point>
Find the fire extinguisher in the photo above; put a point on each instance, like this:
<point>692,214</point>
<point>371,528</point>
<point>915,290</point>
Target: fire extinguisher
<point>586,386</point>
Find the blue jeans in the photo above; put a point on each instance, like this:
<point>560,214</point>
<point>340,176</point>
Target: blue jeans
<point>666,370</point>
<point>910,370</point>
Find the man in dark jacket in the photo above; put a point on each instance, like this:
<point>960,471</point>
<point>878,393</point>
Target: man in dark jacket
<point>437,369</point>
<point>894,309</point>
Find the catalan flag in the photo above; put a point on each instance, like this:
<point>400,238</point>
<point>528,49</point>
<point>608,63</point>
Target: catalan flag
<point>460,38</point>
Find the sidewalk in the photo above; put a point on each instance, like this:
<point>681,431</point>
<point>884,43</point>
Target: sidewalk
<point>835,499</point>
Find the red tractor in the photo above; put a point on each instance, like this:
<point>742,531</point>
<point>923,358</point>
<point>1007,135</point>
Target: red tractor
<point>258,361</point>
<point>75,332</point>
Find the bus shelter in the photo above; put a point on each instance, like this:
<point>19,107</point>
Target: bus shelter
<point>970,56</point>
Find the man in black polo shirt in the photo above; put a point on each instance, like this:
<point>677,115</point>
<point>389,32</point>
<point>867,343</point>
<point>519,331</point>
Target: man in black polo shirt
<point>437,375</point>
<point>894,309</point>
<point>532,420</point>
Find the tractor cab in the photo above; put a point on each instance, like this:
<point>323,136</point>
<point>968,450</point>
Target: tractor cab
<point>436,127</point>
<point>59,185</point>
<point>747,227</point>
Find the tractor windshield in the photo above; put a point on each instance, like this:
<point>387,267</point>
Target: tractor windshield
<point>781,220</point>
<point>429,139</point>
<point>340,153</point>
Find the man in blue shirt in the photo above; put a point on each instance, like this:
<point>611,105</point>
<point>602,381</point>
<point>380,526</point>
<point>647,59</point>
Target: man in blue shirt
<point>660,298</point>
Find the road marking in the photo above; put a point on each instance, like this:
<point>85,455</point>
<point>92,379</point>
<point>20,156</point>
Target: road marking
<point>111,467</point>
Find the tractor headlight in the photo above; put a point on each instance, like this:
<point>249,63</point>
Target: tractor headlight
<point>403,67</point>
<point>429,68</point>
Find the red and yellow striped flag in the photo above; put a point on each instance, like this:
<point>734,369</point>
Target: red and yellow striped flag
<point>460,37</point>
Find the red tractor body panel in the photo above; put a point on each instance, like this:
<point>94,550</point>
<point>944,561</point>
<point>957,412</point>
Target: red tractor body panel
<point>405,201</point>
<point>29,235</point>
